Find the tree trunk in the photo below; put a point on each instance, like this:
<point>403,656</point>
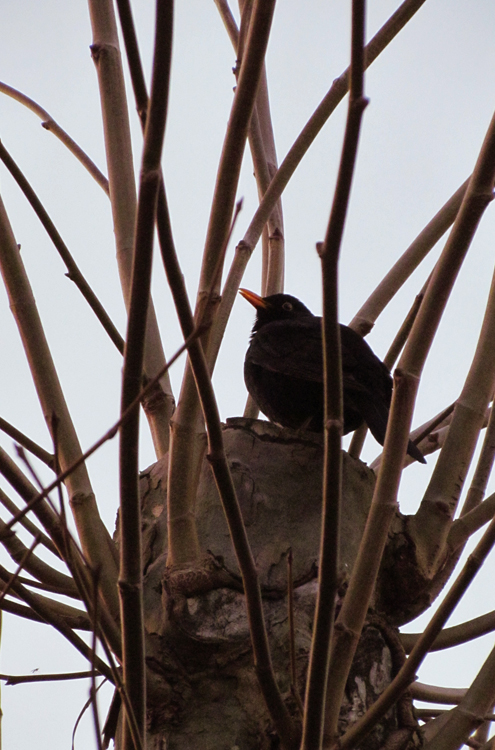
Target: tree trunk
<point>198,639</point>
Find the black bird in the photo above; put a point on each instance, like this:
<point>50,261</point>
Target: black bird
<point>283,370</point>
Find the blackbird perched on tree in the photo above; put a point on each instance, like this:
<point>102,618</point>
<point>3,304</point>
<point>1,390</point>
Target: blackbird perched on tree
<point>283,370</point>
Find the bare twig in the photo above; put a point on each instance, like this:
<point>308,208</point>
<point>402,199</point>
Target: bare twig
<point>51,578</point>
<point>28,524</point>
<point>133,59</point>
<point>355,606</point>
<point>263,151</point>
<point>19,679</point>
<point>94,689</point>
<point>365,318</point>
<point>14,577</point>
<point>130,579</point>
<point>465,526</point>
<point>483,470</point>
<point>70,553</point>
<point>316,687</point>
<point>469,712</point>
<point>395,349</point>
<point>73,271</point>
<point>30,445</point>
<point>78,720</point>
<point>49,124</point>
<point>48,614</point>
<point>456,635</point>
<point>435,694</point>
<point>74,618</point>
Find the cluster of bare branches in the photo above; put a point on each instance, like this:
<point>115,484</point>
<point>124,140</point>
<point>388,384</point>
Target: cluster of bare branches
<point>106,581</point>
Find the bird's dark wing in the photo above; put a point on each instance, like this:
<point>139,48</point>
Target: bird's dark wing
<point>362,371</point>
<point>367,383</point>
<point>294,348</point>
<point>290,347</point>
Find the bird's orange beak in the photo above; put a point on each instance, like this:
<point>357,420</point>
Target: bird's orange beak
<point>255,299</point>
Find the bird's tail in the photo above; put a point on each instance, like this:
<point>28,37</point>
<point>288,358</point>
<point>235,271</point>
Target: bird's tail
<point>376,417</point>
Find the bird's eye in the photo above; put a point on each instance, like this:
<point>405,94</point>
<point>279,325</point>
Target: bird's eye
<point>287,307</point>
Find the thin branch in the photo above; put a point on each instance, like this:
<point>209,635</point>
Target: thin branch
<point>48,588</point>
<point>362,582</point>
<point>73,618</point>
<point>292,634</point>
<point>456,635</point>
<point>78,720</point>
<point>50,577</point>
<point>48,614</point>
<point>15,576</point>
<point>262,145</point>
<point>469,712</point>
<point>49,124</point>
<point>417,251</point>
<point>130,579</point>
<point>316,687</point>
<point>443,419</point>
<point>20,611</point>
<point>26,442</point>
<point>393,353</point>
<point>14,679</point>
<point>235,138</point>
<point>483,470</point>
<point>28,524</point>
<point>264,155</point>
<point>133,59</point>
<point>124,700</point>
<point>73,271</point>
<point>94,689</point>
<point>465,526</point>
<point>389,360</point>
<point>434,694</point>
<point>434,429</point>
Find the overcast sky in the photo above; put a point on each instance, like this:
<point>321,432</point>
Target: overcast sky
<point>431,97</point>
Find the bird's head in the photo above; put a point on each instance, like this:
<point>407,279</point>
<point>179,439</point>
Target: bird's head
<point>275,307</point>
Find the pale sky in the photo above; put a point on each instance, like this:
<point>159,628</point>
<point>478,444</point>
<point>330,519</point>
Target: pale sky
<point>431,94</point>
